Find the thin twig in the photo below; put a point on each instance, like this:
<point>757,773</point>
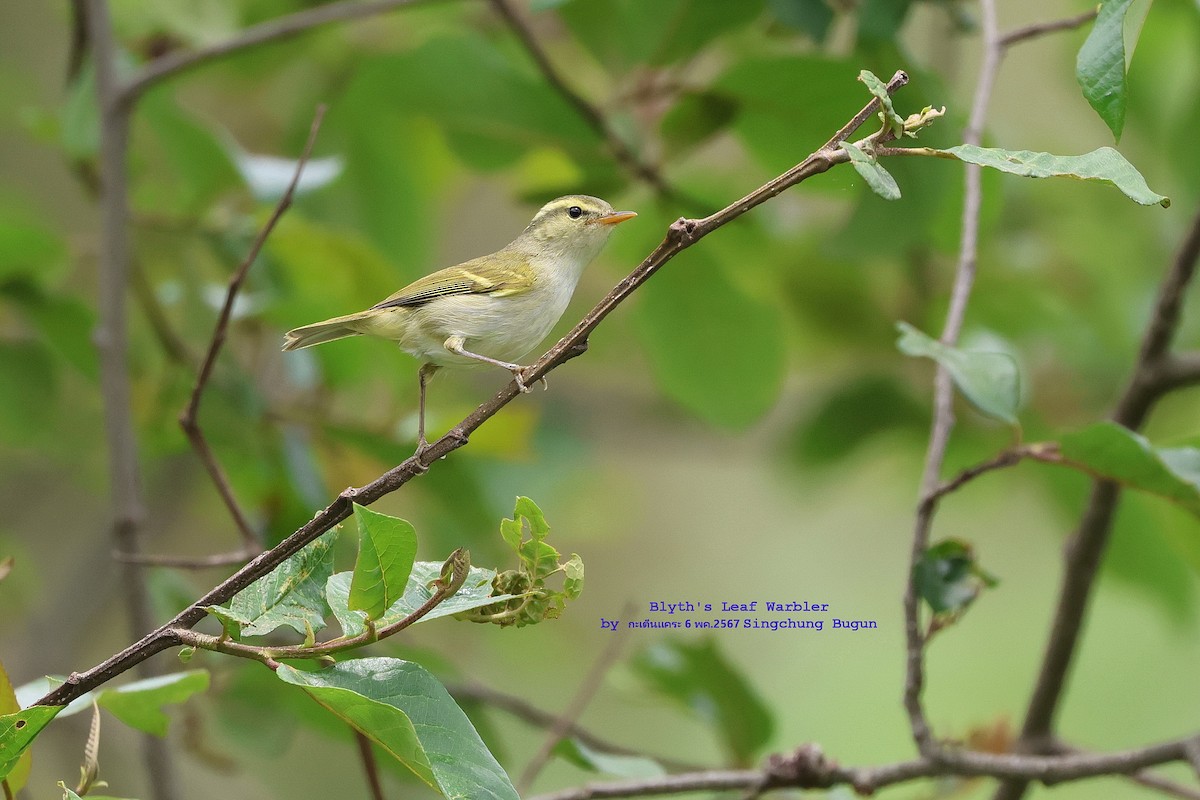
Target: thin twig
<point>574,710</point>
<point>1086,547</point>
<point>188,420</point>
<point>168,339</point>
<point>367,754</point>
<point>1018,35</point>
<point>186,562</point>
<point>524,710</point>
<point>275,30</point>
<point>1145,778</point>
<point>592,115</point>
<point>680,235</point>
<point>112,337</point>
<point>943,415</point>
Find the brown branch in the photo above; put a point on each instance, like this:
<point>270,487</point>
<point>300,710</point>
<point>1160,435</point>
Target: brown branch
<point>943,415</point>
<point>808,768</point>
<point>592,115</point>
<point>367,754</point>
<point>1018,35</point>
<point>184,562</point>
<point>1145,778</point>
<point>188,420</point>
<point>680,235</point>
<point>1086,547</point>
<point>271,31</point>
<point>574,710</point>
<point>111,338</point>
<point>526,711</point>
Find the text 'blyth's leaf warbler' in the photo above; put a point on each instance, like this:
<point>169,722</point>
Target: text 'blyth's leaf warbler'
<point>490,310</point>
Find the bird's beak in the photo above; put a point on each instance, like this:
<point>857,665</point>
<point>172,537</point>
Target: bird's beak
<point>615,217</point>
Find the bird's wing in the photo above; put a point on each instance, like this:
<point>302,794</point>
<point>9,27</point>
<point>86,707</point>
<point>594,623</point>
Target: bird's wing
<point>492,275</point>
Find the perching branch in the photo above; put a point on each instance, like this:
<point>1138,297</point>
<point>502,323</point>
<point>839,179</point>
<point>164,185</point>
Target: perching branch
<point>681,235</point>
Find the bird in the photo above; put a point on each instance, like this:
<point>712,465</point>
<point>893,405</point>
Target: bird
<point>490,310</point>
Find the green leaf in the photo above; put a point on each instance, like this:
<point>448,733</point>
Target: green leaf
<point>62,321</point>
<point>699,676</point>
<point>18,772</point>
<point>527,511</point>
<point>694,118</point>
<point>28,391</point>
<point>386,551</point>
<point>989,380</point>
<point>948,578</point>
<point>813,17</point>
<point>1115,452</point>
<point>878,178</point>
<point>573,580</point>
<point>891,120</point>
<point>193,154</point>
<point>853,414</point>
<point>1104,165</point>
<point>620,766</point>
<point>17,732</point>
<point>404,710</point>
<point>293,594</point>
<point>476,592</point>
<point>1100,66</point>
<point>139,704</point>
<point>714,349</point>
<point>28,247</point>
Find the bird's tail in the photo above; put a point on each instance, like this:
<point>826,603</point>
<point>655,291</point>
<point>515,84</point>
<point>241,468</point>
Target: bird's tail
<point>321,332</point>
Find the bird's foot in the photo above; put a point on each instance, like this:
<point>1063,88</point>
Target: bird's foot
<point>522,381</point>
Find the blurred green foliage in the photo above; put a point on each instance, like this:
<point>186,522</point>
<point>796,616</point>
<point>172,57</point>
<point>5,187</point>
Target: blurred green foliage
<point>778,327</point>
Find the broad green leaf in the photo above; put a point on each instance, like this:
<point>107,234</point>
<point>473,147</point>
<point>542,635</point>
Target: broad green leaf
<point>697,675</point>
<point>1115,452</point>
<point>195,158</point>
<point>139,704</point>
<point>17,732</point>
<point>621,766</point>
<point>714,349</point>
<point>475,593</point>
<point>948,578</point>
<point>624,33</point>
<point>1104,165</point>
<point>387,547</point>
<point>28,247</point>
<point>694,118</point>
<point>778,129</point>
<point>19,772</point>
<point>538,558</point>
<point>854,413</point>
<point>1100,66</point>
<point>407,712</point>
<point>880,21</point>
<point>813,17</point>
<point>878,178</point>
<point>989,380</point>
<point>62,321</point>
<point>28,391</point>
<point>527,510</point>
<point>293,594</point>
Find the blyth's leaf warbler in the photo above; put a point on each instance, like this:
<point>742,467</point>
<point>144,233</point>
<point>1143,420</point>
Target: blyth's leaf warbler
<point>490,310</point>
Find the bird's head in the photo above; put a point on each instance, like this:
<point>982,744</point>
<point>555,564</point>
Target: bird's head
<point>576,225</point>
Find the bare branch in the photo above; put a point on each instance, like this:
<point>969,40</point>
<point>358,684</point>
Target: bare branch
<point>367,753</point>
<point>943,415</point>
<point>275,30</point>
<point>1086,547</point>
<point>187,562</point>
<point>592,115</point>
<point>188,420</point>
<point>1037,29</point>
<point>587,690</point>
<point>112,341</point>
<point>524,710</point>
<point>682,234</point>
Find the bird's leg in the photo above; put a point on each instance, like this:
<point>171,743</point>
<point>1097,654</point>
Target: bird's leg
<point>423,376</point>
<point>455,345</point>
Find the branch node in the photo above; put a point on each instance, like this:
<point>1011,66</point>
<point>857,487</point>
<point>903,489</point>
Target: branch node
<point>806,767</point>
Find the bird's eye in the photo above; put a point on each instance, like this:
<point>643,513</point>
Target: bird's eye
<point>575,212</point>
